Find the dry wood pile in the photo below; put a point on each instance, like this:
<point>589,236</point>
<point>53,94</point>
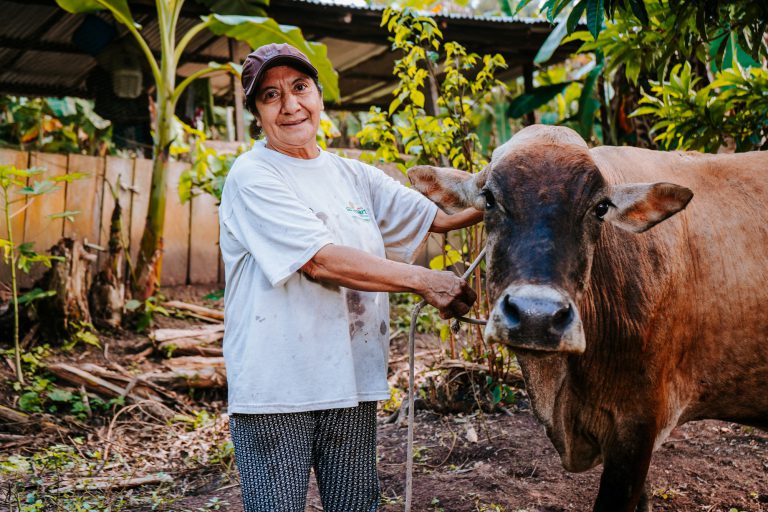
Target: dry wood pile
<point>191,358</point>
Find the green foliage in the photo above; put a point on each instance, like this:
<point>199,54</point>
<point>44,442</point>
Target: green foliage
<point>31,481</point>
<point>734,107</point>
<point>143,312</point>
<point>402,304</point>
<point>209,168</point>
<point>449,258</point>
<point>22,186</point>
<point>445,129</point>
<point>537,97</point>
<point>63,125</point>
<point>42,396</point>
<point>81,333</point>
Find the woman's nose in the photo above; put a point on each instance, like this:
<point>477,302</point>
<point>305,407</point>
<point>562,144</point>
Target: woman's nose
<point>290,103</point>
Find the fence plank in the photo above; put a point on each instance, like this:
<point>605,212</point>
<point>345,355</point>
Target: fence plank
<point>117,172</point>
<point>39,228</point>
<point>85,195</point>
<point>204,241</point>
<point>176,231</point>
<point>142,182</point>
<point>19,159</point>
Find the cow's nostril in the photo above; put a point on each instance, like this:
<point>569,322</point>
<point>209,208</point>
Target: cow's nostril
<point>562,318</point>
<point>511,311</point>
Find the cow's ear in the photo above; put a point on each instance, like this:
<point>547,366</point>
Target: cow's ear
<point>638,207</point>
<point>451,189</point>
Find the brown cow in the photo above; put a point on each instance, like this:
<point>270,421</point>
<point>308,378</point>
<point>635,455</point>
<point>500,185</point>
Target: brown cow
<point>622,336</point>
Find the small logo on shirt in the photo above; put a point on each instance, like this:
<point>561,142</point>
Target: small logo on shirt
<point>357,211</point>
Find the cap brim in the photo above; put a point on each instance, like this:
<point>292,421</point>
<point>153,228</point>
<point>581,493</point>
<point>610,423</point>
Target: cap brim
<point>295,62</point>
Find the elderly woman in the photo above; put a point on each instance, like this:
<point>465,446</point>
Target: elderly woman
<point>310,242</point>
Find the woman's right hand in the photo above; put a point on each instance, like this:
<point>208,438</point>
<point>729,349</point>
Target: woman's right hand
<point>449,293</point>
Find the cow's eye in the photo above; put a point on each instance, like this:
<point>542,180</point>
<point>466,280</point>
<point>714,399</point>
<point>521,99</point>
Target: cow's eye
<point>602,208</point>
<point>490,201</point>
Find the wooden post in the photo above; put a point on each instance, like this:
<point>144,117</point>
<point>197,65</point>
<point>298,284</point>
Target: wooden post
<point>238,92</point>
<point>530,118</point>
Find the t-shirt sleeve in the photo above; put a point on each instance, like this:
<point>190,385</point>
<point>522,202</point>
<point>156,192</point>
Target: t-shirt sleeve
<point>275,227</point>
<point>403,215</point>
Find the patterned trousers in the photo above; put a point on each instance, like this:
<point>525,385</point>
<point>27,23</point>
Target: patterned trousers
<point>274,454</point>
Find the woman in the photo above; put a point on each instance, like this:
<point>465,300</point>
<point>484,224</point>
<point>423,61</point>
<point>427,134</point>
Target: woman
<point>309,241</point>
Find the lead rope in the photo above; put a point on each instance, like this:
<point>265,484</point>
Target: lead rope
<point>411,351</point>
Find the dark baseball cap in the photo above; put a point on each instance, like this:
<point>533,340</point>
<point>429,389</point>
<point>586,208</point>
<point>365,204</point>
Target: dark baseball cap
<point>259,61</point>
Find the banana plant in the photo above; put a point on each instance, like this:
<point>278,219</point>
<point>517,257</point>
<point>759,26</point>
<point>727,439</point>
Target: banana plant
<point>255,29</point>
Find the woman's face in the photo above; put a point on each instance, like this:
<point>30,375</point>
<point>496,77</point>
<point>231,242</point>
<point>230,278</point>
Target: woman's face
<point>289,105</point>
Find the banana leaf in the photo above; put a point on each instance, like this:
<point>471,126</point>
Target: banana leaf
<point>258,31</point>
<point>119,7</point>
<point>530,101</point>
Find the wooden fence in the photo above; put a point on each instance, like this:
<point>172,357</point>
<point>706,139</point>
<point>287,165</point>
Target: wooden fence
<point>191,249</point>
<point>191,252</point>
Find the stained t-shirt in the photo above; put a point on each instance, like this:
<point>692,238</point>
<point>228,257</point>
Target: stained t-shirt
<point>292,344</point>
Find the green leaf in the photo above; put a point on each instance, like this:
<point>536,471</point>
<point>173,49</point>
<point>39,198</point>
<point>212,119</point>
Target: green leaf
<point>595,17</point>
<point>30,402</point>
<point>417,97</point>
<point>588,105</point>
<point>551,43</point>
<point>520,5</point>
<point>530,101</point>
<point>118,7</point>
<point>69,215</point>
<point>638,8</point>
<point>60,395</point>
<point>217,295</point>
<point>441,262</point>
<point>258,31</point>
<point>505,7</point>
<point>36,294</point>
<point>132,305</point>
<point>575,16</point>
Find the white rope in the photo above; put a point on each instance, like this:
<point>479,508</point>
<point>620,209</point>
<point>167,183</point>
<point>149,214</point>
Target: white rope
<point>411,362</point>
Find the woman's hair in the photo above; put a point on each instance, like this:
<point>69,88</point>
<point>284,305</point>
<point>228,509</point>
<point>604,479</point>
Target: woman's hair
<point>250,105</point>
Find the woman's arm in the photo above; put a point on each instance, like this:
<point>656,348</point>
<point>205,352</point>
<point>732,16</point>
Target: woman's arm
<point>356,269</point>
<point>445,222</point>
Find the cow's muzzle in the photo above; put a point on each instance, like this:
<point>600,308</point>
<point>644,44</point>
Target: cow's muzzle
<point>534,317</point>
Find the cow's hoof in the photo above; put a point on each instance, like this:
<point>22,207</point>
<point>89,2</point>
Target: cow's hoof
<point>645,501</point>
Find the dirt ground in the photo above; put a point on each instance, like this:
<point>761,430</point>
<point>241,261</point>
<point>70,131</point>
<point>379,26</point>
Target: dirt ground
<point>489,462</point>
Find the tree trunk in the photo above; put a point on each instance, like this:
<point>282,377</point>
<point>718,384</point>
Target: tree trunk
<point>70,279</point>
<point>107,294</point>
<point>149,265</point>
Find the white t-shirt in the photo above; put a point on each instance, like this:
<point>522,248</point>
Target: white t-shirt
<point>292,344</point>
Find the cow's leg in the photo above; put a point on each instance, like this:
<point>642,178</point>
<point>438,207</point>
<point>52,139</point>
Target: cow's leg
<point>625,466</point>
<point>645,499</point>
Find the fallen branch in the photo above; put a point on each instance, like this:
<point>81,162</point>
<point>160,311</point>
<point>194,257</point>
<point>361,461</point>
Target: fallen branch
<point>207,333</point>
<point>21,421</point>
<point>215,314</point>
<point>189,347</point>
<point>140,386</point>
<point>102,386</point>
<point>103,483</point>
<point>191,372</point>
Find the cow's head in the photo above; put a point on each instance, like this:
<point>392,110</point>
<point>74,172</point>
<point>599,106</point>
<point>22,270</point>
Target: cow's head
<point>545,203</point>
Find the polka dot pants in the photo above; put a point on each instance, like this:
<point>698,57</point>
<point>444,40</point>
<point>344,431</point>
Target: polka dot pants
<point>274,454</point>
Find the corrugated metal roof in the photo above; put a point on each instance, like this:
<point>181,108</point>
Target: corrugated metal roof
<point>38,57</point>
<point>448,15</point>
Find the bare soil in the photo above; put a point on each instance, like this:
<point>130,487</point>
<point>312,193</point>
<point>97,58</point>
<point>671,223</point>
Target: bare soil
<point>473,462</point>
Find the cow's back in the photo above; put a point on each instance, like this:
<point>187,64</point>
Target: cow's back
<point>700,280</point>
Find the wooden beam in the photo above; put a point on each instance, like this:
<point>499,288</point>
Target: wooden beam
<point>240,133</point>
<point>530,118</point>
